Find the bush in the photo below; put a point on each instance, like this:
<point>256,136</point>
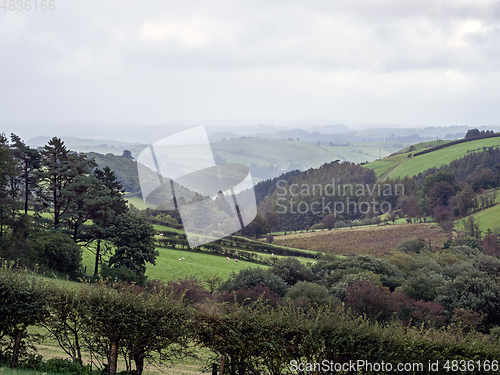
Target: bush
<point>413,245</point>
<point>473,291</point>
<point>67,366</point>
<point>122,274</point>
<point>464,251</point>
<point>306,293</point>
<point>377,303</point>
<point>340,224</point>
<point>423,285</point>
<point>291,270</point>
<point>250,277</point>
<point>58,251</point>
<point>190,288</point>
<point>252,295</point>
<point>365,221</point>
<point>166,218</point>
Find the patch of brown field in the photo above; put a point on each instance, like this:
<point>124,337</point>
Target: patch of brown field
<point>376,241</point>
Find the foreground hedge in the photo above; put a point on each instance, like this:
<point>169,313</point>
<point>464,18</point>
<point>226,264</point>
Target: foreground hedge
<point>153,325</point>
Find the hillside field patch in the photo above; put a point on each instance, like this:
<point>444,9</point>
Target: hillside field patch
<point>375,240</point>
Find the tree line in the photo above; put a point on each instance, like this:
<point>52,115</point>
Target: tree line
<point>53,200</point>
<point>445,194</point>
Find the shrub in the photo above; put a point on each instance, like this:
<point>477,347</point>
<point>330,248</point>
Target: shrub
<point>473,291</point>
<point>464,251</point>
<point>306,293</point>
<point>340,224</point>
<point>413,245</point>
<point>58,251</point>
<point>250,277</point>
<point>64,365</point>
<point>423,285</point>
<point>122,274</point>
<point>377,303</point>
<point>252,295</point>
<point>426,314</point>
<point>291,270</point>
<point>190,288</point>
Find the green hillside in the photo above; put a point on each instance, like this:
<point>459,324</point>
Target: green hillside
<point>489,218</point>
<point>400,165</point>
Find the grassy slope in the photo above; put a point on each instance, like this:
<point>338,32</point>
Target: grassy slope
<point>488,218</point>
<point>400,165</point>
<point>168,267</point>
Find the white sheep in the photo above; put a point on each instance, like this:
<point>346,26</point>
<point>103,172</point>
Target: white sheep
<point>228,258</point>
<point>183,258</point>
<point>180,259</point>
<point>236,260</point>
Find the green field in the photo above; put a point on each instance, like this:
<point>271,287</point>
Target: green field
<point>400,165</point>
<point>169,267</point>
<point>488,218</point>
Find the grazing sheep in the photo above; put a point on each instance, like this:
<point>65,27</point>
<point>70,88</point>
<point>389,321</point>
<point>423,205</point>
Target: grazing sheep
<point>228,258</point>
<point>183,258</point>
<point>236,260</point>
<point>272,254</point>
<point>180,259</point>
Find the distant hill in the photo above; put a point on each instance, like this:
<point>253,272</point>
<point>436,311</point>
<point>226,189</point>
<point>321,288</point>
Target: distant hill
<point>85,145</point>
<point>126,172</point>
<point>267,158</point>
<point>402,164</point>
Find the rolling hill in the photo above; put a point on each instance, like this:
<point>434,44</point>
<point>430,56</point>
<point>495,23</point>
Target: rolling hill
<point>401,164</point>
<point>267,158</point>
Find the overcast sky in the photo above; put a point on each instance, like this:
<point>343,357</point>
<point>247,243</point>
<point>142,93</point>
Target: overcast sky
<point>106,62</point>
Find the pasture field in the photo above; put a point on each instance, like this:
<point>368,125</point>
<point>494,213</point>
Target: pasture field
<point>400,165</point>
<point>489,218</point>
<point>169,267</point>
<point>377,241</point>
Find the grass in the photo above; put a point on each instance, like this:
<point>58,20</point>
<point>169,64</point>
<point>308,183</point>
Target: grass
<point>376,241</point>
<point>400,165</point>
<point>136,202</point>
<point>488,218</point>
<point>169,267</point>
<point>9,371</point>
